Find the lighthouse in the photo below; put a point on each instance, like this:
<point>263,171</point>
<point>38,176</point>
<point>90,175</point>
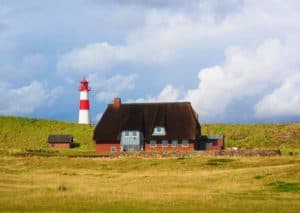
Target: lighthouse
<point>84,106</point>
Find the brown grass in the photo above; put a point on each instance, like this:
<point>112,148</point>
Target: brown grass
<point>236,184</point>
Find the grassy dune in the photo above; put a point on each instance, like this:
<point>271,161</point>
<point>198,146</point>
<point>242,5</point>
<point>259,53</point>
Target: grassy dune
<point>257,135</point>
<point>24,133</point>
<point>197,184</point>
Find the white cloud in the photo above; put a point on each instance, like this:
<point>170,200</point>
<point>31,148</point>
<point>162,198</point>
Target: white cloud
<point>245,74</point>
<point>91,57</point>
<point>101,56</point>
<point>107,89</point>
<point>283,101</point>
<point>168,94</point>
<point>168,36</point>
<point>106,96</point>
<point>26,99</point>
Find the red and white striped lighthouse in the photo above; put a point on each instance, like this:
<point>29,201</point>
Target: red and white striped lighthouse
<point>84,106</point>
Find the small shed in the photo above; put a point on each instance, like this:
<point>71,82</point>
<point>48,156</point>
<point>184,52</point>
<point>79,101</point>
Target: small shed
<point>215,142</point>
<point>60,141</point>
<point>211,142</point>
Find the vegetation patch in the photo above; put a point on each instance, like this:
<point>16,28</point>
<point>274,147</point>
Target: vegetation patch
<point>69,173</point>
<point>62,188</point>
<point>218,161</point>
<point>154,163</point>
<point>258,177</point>
<point>253,195</point>
<point>281,186</point>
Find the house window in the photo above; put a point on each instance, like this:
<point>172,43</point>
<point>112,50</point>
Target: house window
<point>214,142</point>
<point>134,134</point>
<point>159,130</point>
<point>164,143</point>
<point>153,143</point>
<point>174,143</point>
<point>127,133</point>
<point>185,143</point>
<point>113,149</point>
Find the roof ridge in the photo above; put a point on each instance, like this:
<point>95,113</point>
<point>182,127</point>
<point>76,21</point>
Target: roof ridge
<point>154,103</point>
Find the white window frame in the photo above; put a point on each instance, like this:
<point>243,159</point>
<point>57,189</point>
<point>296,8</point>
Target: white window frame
<point>182,144</point>
<point>113,149</point>
<point>162,142</point>
<point>134,134</point>
<point>173,144</point>
<point>127,132</point>
<point>162,131</point>
<point>153,145</point>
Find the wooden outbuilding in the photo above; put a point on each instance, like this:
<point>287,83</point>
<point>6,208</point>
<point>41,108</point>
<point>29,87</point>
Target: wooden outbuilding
<point>60,141</point>
<point>211,142</point>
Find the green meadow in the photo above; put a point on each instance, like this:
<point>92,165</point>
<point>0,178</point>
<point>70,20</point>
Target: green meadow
<point>67,181</point>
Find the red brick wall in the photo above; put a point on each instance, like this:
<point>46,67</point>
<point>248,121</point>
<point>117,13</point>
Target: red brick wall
<point>106,147</point>
<point>60,145</point>
<point>170,148</point>
<point>219,146</point>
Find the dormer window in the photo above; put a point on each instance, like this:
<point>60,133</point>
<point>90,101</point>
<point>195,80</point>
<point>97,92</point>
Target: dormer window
<point>159,130</point>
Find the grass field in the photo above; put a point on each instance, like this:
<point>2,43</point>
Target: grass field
<point>184,184</point>
<point>197,184</point>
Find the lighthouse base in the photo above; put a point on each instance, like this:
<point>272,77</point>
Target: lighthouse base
<point>84,117</point>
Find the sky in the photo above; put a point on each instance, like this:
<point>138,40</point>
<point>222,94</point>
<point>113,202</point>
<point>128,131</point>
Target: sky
<point>236,61</point>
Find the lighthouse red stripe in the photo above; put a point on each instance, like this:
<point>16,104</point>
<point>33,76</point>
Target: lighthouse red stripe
<point>84,104</point>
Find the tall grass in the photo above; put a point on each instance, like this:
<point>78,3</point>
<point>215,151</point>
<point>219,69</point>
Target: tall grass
<point>257,135</point>
<point>197,184</point>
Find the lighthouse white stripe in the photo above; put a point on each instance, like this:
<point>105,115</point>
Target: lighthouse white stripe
<point>84,95</point>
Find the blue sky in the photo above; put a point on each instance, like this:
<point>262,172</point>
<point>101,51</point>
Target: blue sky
<point>235,61</point>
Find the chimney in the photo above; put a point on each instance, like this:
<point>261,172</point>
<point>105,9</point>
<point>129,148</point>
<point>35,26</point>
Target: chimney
<point>117,103</point>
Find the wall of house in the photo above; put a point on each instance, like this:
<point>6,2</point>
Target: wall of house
<point>179,147</point>
<point>59,145</point>
<point>106,147</point>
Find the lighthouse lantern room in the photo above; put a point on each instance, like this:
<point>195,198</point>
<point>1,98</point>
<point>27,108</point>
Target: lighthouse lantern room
<point>84,106</point>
